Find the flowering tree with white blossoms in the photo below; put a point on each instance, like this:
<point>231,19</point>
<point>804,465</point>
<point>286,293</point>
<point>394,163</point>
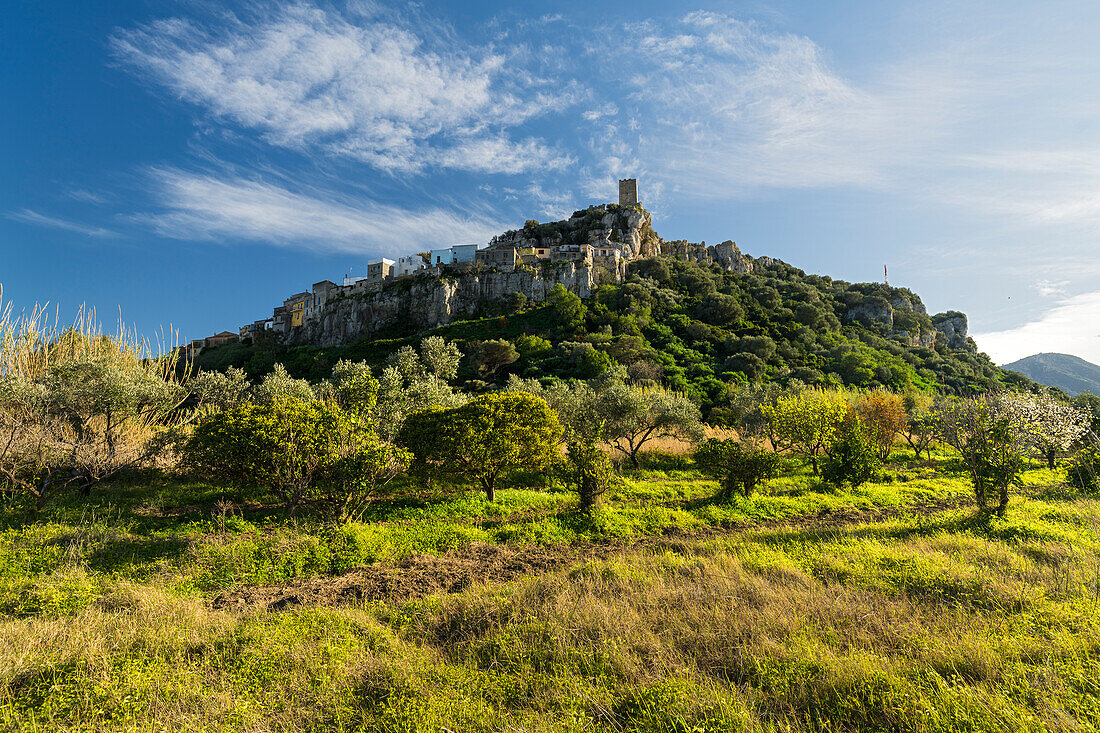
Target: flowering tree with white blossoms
<point>1042,422</point>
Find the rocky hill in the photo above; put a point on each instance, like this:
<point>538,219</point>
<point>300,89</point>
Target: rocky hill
<point>1068,373</point>
<point>691,316</point>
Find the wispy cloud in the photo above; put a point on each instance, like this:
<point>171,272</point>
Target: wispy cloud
<point>28,216</point>
<point>88,197</point>
<point>391,96</point>
<point>231,209</point>
<point>725,108</point>
<point>1073,327</point>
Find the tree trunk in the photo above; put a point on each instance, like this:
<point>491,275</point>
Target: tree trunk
<point>490,489</point>
<point>1051,455</point>
<point>1003,503</point>
<point>813,462</point>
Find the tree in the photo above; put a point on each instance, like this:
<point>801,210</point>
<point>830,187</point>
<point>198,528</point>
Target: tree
<point>77,407</point>
<point>1048,425</point>
<point>493,355</point>
<point>853,458</point>
<point>279,385</point>
<point>592,469</point>
<point>739,468</point>
<point>482,439</point>
<point>920,422</point>
<point>300,451</point>
<point>354,387</point>
<point>411,382</point>
<point>882,416</point>
<point>634,416</point>
<point>990,447</point>
<point>440,357</point>
<point>806,422</point>
<point>569,309</point>
<point>220,390</point>
<point>1089,404</point>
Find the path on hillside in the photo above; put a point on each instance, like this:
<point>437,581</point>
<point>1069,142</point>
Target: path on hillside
<point>478,562</point>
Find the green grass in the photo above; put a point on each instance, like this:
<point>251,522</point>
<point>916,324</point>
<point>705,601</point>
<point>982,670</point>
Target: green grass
<point>768,620</point>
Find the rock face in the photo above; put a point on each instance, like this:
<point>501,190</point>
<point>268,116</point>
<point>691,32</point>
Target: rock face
<point>726,255</point>
<point>427,302</point>
<point>951,326</point>
<point>902,318</point>
<point>629,225</point>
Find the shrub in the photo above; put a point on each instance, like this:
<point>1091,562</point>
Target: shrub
<point>990,447</point>
<point>300,451</point>
<point>1083,471</point>
<point>852,458</point>
<point>591,469</point>
<point>738,468</point>
<point>484,438</point>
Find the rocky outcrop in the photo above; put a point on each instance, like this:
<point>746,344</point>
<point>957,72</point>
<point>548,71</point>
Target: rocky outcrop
<point>951,329</point>
<point>630,226</point>
<point>902,317</point>
<point>427,302</point>
<point>726,255</point>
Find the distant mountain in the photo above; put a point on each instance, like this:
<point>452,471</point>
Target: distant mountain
<point>1068,373</point>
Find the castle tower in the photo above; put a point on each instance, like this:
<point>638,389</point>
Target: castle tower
<point>628,191</point>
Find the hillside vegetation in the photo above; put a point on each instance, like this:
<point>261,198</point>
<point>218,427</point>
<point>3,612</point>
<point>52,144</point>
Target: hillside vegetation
<point>692,328</point>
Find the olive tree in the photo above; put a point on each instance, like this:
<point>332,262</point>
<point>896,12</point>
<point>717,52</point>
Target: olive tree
<point>77,407</point>
<point>413,381</point>
<point>634,416</point>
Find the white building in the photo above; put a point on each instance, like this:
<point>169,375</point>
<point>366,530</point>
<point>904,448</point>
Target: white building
<point>442,257</point>
<point>409,265</point>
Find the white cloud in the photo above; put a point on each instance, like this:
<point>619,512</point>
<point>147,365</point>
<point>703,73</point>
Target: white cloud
<point>33,217</point>
<point>1049,288</point>
<point>310,78</point>
<point>207,207</point>
<point>1071,327</point>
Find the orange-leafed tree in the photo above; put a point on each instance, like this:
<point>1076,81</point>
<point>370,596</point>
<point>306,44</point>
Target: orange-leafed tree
<point>883,416</point>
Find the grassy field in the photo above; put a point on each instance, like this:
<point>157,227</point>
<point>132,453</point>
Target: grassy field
<point>161,604</point>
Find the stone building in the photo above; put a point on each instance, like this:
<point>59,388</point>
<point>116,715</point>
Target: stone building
<point>628,191</point>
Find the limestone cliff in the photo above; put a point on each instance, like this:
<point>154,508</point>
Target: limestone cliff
<point>427,302</point>
<point>952,327</point>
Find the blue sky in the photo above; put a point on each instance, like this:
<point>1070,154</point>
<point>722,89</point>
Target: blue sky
<point>193,163</point>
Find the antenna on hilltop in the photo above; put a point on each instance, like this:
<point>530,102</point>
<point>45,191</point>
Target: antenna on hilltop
<point>885,277</point>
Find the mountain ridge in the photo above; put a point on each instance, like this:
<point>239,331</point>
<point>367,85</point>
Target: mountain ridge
<point>1071,374</point>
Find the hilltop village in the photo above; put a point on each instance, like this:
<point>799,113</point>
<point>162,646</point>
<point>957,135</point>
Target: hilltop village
<point>590,248</point>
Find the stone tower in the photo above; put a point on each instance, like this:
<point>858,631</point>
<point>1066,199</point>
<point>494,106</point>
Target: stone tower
<point>628,191</point>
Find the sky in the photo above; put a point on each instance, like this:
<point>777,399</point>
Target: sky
<point>190,164</point>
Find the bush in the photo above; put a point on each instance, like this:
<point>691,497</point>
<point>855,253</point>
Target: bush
<point>738,468</point>
<point>852,458</point>
<point>485,438</point>
<point>591,469</point>
<point>1083,471</point>
<point>299,451</point>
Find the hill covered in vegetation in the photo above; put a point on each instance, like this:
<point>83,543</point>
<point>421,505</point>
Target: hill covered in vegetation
<point>1068,373</point>
<point>693,327</point>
